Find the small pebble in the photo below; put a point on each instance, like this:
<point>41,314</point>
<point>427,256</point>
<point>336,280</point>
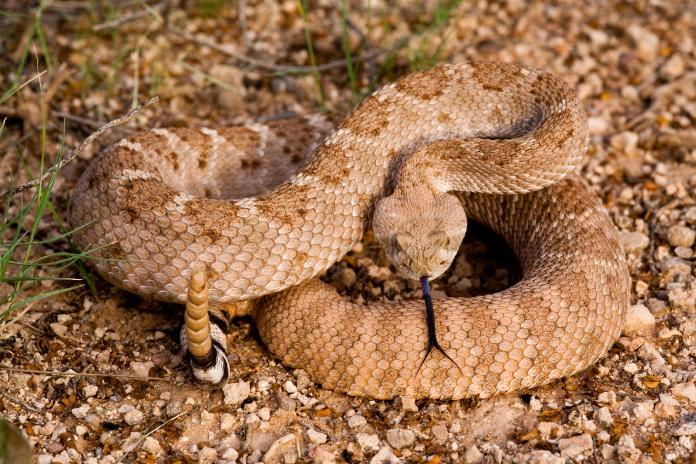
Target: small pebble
<point>400,438</point>
<point>356,422</point>
<point>575,446</point>
<point>81,411</point>
<point>151,445</point>
<point>685,390</point>
<point>385,456</point>
<point>90,391</point>
<point>290,387</point>
<point>315,437</point>
<point>236,393</point>
<point>681,236</point>
<point>639,320</point>
<point>133,417</point>
<point>367,442</point>
<point>634,242</point>
<point>473,455</point>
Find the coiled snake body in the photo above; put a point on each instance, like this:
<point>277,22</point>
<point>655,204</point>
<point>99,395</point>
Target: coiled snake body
<point>504,138</point>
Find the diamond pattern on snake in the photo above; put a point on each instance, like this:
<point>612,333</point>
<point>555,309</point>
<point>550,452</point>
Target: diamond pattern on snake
<point>240,220</point>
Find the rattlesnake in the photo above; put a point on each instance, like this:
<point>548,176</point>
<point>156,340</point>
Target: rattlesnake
<point>159,205</point>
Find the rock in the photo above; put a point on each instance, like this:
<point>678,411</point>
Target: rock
<point>439,432</point>
<point>627,451</point>
<point>634,242</point>
<point>473,455</point>
<point>227,422</point>
<point>264,414</point>
<point>236,393</point>
<point>673,68</point>
<point>133,417</point>
<point>631,368</point>
<point>174,408</point>
<point>604,416</point>
<point>207,455</point>
<point>400,438</point>
<point>290,387</point>
<point>384,456</point>
<point>58,329</point>
<point>685,390</point>
<point>680,298</point>
<point>229,96</point>
<point>367,442</point>
<point>230,454</point>
<point>323,455</point>
<point>142,369</point>
<point>282,450</point>
<point>647,43</point>
<point>151,445</point>
<point>681,236</point>
<point>575,446</point>
<point>539,457</point>
<point>90,391</point>
<point>597,125</point>
<point>54,447</point>
<point>608,397</point>
<point>686,429</point>
<point>638,320</point>
<point>357,421</point>
<point>408,404</point>
<point>626,142</point>
<point>80,412</point>
<point>315,437</point>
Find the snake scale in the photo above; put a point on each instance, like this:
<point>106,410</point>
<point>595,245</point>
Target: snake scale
<point>263,208</point>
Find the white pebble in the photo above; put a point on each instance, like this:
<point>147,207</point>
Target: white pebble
<point>142,369</point>
<point>227,422</point>
<point>685,390</point>
<point>235,393</point>
<point>315,437</point>
<point>604,416</point>
<point>408,404</point>
<point>472,455</point>
<point>631,368</point>
<point>681,236</point>
<point>400,438</point>
<point>634,242</point>
<point>639,320</point>
<point>133,417</point>
<point>290,387</point>
<point>357,421</point>
<point>385,456</point>
<point>81,412</point>
<point>367,442</point>
<point>90,391</point>
<point>151,445</point>
<point>574,446</point>
<point>264,414</point>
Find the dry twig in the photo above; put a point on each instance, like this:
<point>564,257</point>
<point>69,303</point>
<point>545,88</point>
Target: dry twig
<point>77,150</point>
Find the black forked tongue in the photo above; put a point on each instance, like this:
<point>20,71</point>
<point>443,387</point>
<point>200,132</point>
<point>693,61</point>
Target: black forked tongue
<point>430,319</point>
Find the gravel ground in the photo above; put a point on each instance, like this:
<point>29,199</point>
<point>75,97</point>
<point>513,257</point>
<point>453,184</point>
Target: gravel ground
<point>102,379</point>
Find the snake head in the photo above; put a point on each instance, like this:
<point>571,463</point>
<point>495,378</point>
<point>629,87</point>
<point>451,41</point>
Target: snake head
<point>421,231</point>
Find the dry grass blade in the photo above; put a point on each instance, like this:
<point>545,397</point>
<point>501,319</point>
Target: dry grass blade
<point>77,150</point>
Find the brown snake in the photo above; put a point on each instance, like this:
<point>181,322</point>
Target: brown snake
<point>500,140</point>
